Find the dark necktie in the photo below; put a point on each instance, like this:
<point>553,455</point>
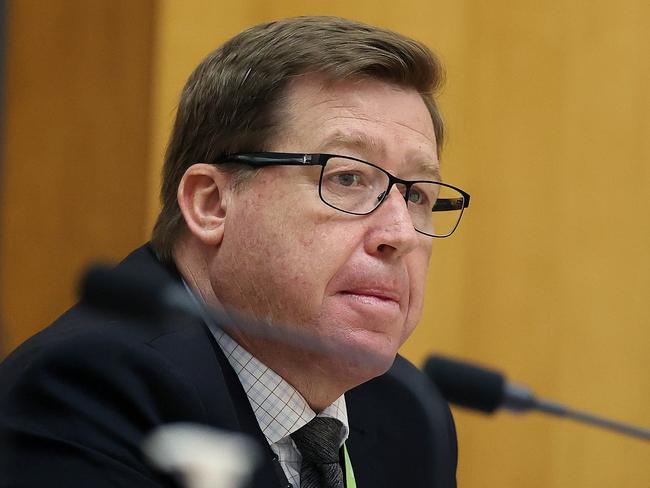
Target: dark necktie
<point>318,443</point>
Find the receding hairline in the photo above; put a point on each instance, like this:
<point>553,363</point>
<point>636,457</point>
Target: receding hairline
<point>288,105</point>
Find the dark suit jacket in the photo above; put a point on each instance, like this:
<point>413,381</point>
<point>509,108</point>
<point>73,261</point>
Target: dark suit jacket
<point>77,399</point>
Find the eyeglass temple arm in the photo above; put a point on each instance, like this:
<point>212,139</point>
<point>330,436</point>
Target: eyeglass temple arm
<point>266,159</point>
<point>447,204</point>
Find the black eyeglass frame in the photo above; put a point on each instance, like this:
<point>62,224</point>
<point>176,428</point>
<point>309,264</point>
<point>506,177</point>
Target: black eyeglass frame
<point>263,159</point>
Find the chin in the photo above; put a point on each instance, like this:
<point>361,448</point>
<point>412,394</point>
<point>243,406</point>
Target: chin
<point>364,355</point>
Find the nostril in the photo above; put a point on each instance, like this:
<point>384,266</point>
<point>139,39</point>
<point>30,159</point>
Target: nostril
<point>383,248</point>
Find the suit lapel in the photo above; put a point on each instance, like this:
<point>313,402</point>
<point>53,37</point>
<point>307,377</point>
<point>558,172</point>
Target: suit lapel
<point>189,345</point>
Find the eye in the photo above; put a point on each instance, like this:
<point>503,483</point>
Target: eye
<point>417,197</point>
<point>424,194</point>
<point>414,196</point>
<point>347,179</point>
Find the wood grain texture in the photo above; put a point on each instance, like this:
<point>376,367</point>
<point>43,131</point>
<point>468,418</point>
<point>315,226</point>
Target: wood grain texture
<point>76,149</point>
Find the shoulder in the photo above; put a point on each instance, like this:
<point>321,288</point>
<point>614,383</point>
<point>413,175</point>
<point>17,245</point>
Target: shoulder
<point>93,359</point>
<point>95,367</point>
<point>402,388</point>
<point>78,397</point>
<point>96,350</point>
<point>403,414</point>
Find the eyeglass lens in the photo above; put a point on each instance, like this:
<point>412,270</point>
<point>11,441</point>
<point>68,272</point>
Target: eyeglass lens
<point>358,188</point>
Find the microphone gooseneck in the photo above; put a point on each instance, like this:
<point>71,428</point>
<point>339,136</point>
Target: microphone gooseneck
<point>483,389</point>
<point>146,297</point>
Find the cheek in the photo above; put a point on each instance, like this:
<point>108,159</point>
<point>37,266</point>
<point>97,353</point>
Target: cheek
<point>419,271</point>
<point>418,266</point>
<point>289,249</point>
<point>309,254</point>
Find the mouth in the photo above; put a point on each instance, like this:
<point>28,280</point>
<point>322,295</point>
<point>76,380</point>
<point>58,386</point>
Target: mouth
<point>373,295</point>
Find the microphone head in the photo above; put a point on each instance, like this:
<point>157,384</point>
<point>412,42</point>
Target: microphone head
<point>125,291</point>
<point>465,384</point>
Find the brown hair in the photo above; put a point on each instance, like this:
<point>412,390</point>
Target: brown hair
<point>233,99</point>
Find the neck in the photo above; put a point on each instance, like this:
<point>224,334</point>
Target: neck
<point>316,377</point>
<point>194,269</point>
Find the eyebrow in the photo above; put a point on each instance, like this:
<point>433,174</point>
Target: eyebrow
<point>368,144</point>
<point>357,140</point>
<point>430,168</point>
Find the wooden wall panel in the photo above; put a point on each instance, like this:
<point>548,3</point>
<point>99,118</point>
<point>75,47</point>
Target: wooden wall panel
<point>549,275</point>
<point>76,149</point>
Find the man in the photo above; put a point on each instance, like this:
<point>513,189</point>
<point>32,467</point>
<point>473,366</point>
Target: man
<point>298,187</point>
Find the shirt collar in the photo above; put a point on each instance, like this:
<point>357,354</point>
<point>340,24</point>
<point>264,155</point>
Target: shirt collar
<point>279,408</point>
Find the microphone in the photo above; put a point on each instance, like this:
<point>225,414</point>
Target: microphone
<point>156,296</point>
<point>483,389</point>
<point>135,294</point>
<point>202,456</point>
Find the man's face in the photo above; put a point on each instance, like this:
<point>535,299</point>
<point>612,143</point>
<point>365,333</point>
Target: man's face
<point>289,258</point>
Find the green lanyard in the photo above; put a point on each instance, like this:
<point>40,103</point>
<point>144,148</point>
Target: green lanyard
<point>349,474</point>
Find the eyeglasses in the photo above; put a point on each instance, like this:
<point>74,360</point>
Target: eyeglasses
<point>357,187</point>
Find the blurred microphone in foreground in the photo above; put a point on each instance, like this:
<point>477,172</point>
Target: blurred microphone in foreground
<point>203,457</point>
<point>148,297</point>
<point>482,389</point>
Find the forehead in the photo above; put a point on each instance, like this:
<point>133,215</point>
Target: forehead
<point>368,118</point>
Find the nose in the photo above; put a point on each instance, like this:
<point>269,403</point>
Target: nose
<point>391,233</point>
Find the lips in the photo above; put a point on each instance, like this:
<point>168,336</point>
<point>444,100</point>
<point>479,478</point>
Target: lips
<point>372,284</point>
<point>373,293</point>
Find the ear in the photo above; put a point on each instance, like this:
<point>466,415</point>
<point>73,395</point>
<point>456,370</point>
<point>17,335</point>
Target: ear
<point>202,197</point>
